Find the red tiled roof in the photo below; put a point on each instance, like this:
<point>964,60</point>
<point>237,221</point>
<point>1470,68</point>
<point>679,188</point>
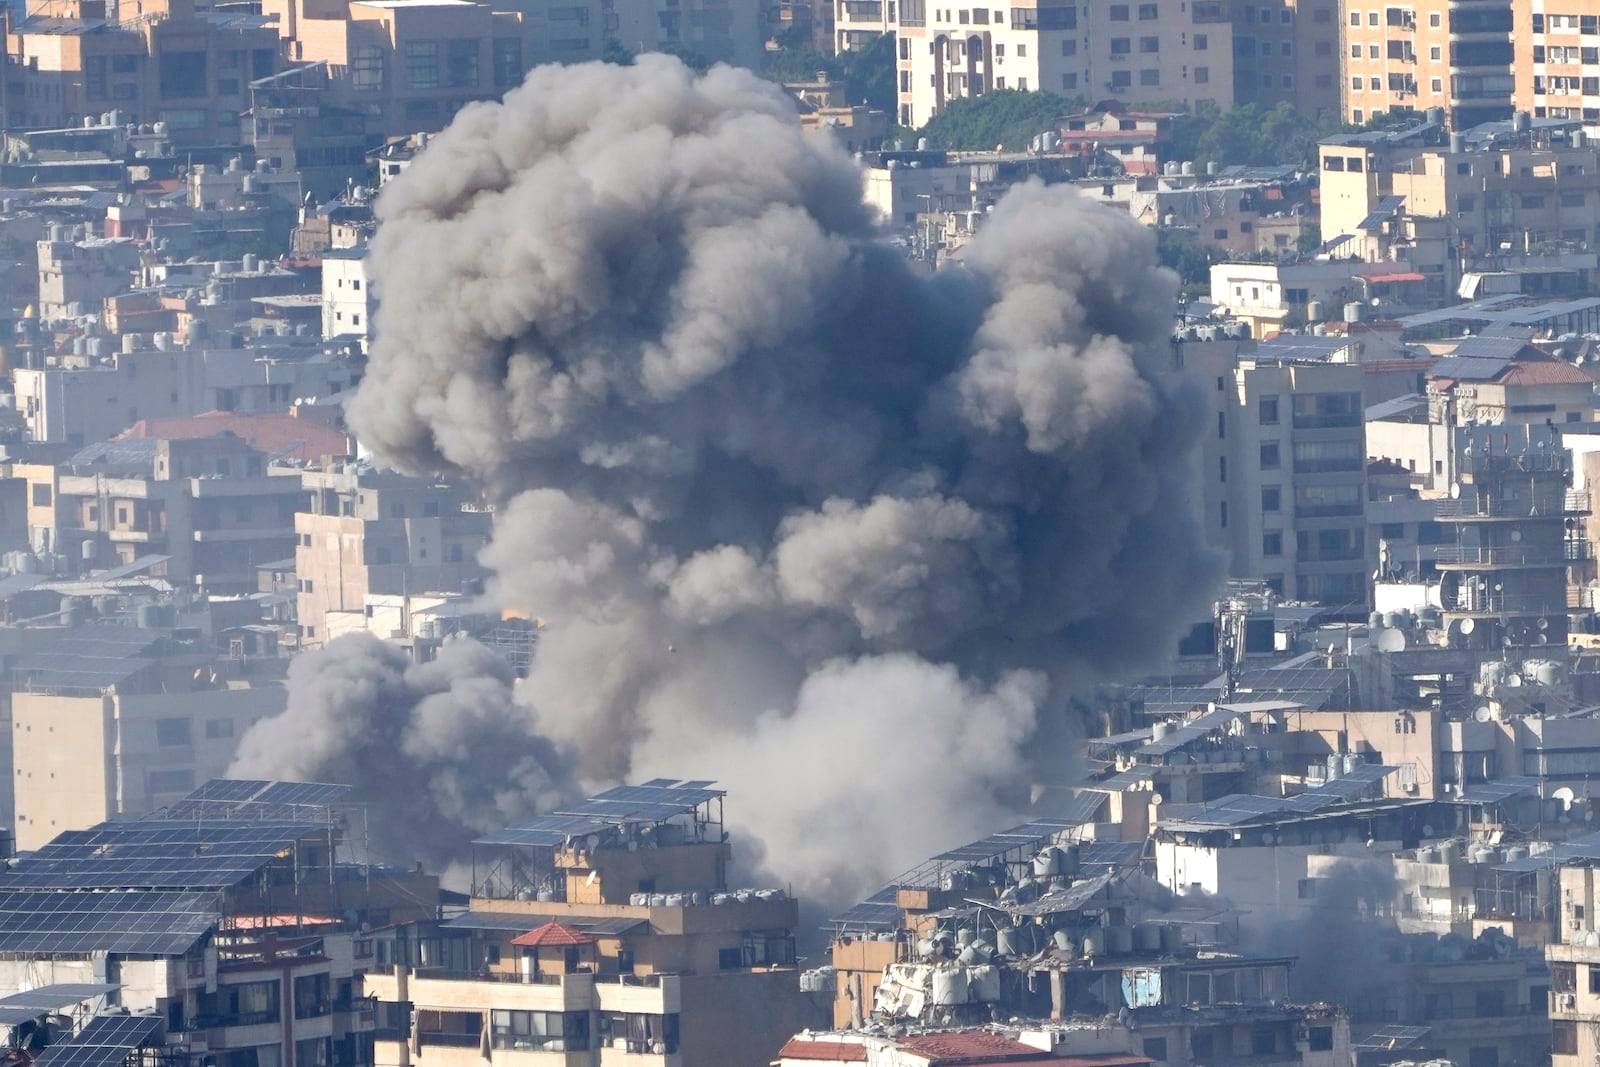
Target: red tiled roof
<point>826,1051</point>
<point>974,1047</point>
<point>286,436</point>
<point>1544,372</point>
<point>552,935</point>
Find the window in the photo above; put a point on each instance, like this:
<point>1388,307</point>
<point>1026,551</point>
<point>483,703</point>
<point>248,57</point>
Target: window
<point>1150,76</point>
<point>1264,1039</point>
<point>1222,468</point>
<point>1286,48</point>
<point>1272,543</point>
<point>1355,18</point>
<point>1069,47</point>
<point>1223,513</point>
<point>507,62</point>
<point>1121,46</point>
<point>1201,42</point>
<point>1202,75</point>
<point>1069,81</point>
<point>1267,406</point>
<point>219,729</point>
<point>1271,498</point>
<point>1436,85</point>
<point>1117,12</point>
<point>1564,1038</point>
<point>173,732</point>
<point>639,1033</point>
<point>1433,20</point>
<point>183,75</point>
<point>1121,79</point>
<point>250,1003</point>
<point>462,69</point>
<point>1355,87</point>
<point>42,495</point>
<point>311,999</point>
<point>94,77</point>
<point>1155,1048</point>
<point>1148,12</point>
<point>533,1030</point>
<point>422,65</point>
<point>1149,44</point>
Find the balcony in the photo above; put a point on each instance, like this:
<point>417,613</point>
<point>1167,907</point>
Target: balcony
<point>1491,604</point>
<point>1512,555</point>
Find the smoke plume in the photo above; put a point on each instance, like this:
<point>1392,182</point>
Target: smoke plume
<point>439,752</point>
<point>836,535</point>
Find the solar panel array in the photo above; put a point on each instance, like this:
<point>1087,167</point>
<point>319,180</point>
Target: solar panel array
<point>246,798</point>
<point>1495,792</point>
<point>1189,732</point>
<point>1028,836</point>
<point>1393,1037</point>
<point>1240,809</point>
<point>1109,853</point>
<point>106,1041</point>
<point>157,854</point>
<point>653,802</point>
<point>23,1007</point>
<point>877,912</point>
<point>131,923</point>
<point>1125,780</point>
<point>1585,849</point>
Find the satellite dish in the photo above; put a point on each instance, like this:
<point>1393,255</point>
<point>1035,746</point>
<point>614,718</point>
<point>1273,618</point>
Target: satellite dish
<point>1455,491</point>
<point>1482,714</point>
<point>1391,641</point>
<point>1542,639</point>
<point>1566,796</point>
<point>1267,838</point>
<point>1516,535</point>
<point>1155,799</point>
<point>1514,681</point>
<point>1468,625</point>
<point>1427,829</point>
<point>1543,624</point>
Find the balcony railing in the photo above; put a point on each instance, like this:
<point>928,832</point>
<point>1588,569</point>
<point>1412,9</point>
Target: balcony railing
<point>1515,555</point>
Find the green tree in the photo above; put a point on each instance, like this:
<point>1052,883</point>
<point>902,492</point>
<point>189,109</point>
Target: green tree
<point>1006,117</point>
<point>1190,257</point>
<point>866,73</point>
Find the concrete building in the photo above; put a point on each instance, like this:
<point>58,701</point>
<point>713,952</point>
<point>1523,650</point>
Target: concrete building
<point>113,722</point>
<point>1454,55</point>
<point>77,402</point>
<point>1287,52</point>
<point>606,933</point>
<point>347,300</point>
<point>212,931</point>
<point>77,273</point>
<point>1135,53</point>
<point>148,61</point>
<point>1557,62</point>
<point>372,532</point>
<point>1483,201</point>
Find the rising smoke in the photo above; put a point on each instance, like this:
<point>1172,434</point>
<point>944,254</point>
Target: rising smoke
<point>836,535</point>
<point>439,752</point>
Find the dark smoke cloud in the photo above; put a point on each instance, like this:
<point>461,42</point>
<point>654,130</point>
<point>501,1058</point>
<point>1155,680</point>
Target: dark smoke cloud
<point>838,536</point>
<point>440,752</point>
<point>1345,942</point>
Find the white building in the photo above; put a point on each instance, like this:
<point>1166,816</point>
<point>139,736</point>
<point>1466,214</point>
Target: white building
<point>1137,53</point>
<point>347,301</point>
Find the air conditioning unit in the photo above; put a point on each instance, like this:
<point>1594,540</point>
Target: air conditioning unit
<point>1566,1002</point>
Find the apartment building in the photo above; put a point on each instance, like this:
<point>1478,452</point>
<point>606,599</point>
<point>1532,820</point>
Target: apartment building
<point>1574,961</point>
<point>209,504</point>
<point>1454,55</point>
<point>1287,51</point>
<point>1557,60</point>
<point>1464,204</point>
<point>364,532</point>
<point>150,61</point>
<point>604,934</point>
<point>348,303</point>
<point>77,272</point>
<point>222,931</point>
<point>1136,53</point>
<point>406,65</point>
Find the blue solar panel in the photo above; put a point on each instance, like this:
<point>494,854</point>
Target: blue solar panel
<point>655,801</point>
<point>106,1041</point>
<point>132,923</point>
<point>157,854</point>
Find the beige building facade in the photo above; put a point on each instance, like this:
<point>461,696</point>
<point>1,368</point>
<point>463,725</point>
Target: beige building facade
<point>1455,55</point>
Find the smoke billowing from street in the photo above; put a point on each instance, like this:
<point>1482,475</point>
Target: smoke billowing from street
<point>1345,938</point>
<point>439,752</point>
<point>836,535</point>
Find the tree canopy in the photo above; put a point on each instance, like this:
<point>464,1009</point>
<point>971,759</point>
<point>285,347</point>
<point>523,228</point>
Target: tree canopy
<point>1008,117</point>
<point>867,73</point>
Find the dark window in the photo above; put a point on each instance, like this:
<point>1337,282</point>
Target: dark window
<point>183,75</point>
<point>1269,455</point>
<point>1272,543</point>
<point>463,64</point>
<point>507,62</point>
<point>1321,1039</point>
<point>1271,498</point>
<point>173,732</point>
<point>1564,1038</point>
<point>1155,1048</point>
<point>41,496</point>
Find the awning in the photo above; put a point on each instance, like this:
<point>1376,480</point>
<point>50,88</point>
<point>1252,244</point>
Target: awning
<point>1403,276</point>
